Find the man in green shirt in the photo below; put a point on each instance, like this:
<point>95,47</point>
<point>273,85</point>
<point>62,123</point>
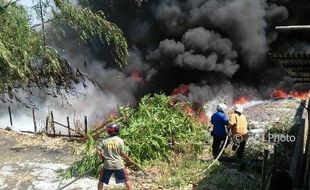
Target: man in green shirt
<point>111,151</point>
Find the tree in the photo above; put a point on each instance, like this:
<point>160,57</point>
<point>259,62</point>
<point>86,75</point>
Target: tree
<point>27,62</point>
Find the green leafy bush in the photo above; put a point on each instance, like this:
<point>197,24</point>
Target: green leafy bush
<point>155,129</point>
<point>149,129</point>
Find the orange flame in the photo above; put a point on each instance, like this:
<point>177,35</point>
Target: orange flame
<point>302,95</point>
<point>203,118</point>
<point>242,100</point>
<point>136,75</point>
<point>281,93</point>
<point>278,93</point>
<point>182,89</point>
<point>189,111</point>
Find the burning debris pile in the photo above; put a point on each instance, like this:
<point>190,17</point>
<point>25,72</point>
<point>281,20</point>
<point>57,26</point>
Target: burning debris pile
<point>281,93</point>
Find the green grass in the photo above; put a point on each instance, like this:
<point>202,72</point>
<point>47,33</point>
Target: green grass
<point>183,173</point>
<point>191,171</point>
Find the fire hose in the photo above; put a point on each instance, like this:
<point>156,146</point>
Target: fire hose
<point>219,155</point>
<point>221,152</point>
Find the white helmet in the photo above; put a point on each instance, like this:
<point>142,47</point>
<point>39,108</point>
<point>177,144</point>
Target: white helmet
<point>221,107</point>
<point>238,108</point>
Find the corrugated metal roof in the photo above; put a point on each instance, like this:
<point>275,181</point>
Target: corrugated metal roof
<point>297,65</point>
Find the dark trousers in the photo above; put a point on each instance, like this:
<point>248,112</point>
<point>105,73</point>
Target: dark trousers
<point>240,149</point>
<point>217,145</point>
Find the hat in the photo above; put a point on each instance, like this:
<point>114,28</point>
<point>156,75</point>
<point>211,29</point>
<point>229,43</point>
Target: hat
<point>221,107</point>
<point>113,129</point>
<point>238,108</point>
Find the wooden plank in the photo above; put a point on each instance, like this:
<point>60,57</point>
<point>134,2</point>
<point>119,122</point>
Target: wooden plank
<point>71,129</point>
<point>31,132</point>
<point>301,81</point>
<point>55,135</point>
<point>61,135</point>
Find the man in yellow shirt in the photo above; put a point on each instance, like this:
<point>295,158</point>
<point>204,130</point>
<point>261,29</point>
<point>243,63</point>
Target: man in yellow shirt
<point>239,129</point>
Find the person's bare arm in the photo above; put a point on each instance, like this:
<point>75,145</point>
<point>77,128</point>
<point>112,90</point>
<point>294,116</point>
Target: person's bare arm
<point>127,159</point>
<point>99,153</point>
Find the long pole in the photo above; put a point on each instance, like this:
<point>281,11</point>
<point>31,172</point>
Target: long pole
<point>46,124</point>
<point>293,27</point>
<point>10,114</point>
<point>34,120</point>
<point>53,124</point>
<point>85,123</point>
<point>76,179</point>
<point>68,122</point>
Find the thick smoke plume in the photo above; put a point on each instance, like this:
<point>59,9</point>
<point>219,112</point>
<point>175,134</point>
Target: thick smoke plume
<point>206,51</point>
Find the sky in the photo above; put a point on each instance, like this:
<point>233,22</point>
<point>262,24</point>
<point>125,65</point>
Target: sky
<point>28,4</point>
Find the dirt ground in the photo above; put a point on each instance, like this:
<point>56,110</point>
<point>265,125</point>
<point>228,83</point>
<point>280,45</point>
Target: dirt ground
<point>31,162</point>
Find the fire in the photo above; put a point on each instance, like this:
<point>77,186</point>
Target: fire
<point>278,93</point>
<point>196,112</point>
<point>182,89</point>
<point>302,95</point>
<point>136,75</point>
<point>189,111</point>
<point>281,93</point>
<point>242,100</point>
<point>203,118</point>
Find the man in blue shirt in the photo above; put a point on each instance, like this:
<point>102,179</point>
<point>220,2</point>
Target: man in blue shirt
<point>219,122</point>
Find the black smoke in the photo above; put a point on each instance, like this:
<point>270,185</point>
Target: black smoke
<point>206,44</point>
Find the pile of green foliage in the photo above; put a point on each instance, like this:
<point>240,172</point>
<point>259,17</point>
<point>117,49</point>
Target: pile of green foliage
<point>154,125</point>
<point>155,130</point>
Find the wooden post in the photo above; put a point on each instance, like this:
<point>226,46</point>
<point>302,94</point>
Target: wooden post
<point>275,158</point>
<point>264,169</point>
<point>34,121</point>
<point>68,122</point>
<point>85,124</point>
<point>46,124</point>
<point>307,162</point>
<point>53,125</point>
<point>10,114</point>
